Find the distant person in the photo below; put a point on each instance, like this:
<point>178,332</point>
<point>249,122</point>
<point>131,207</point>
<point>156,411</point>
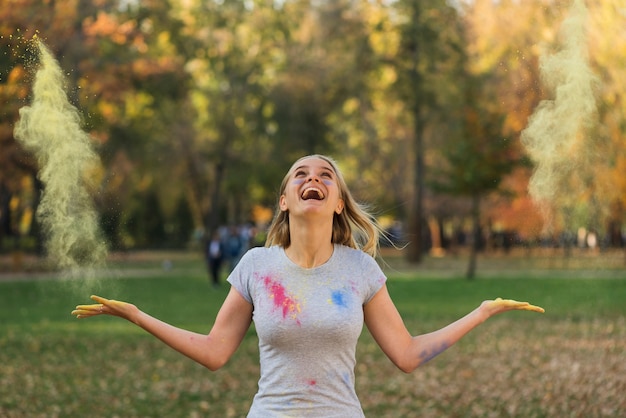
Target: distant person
<point>309,291</point>
<point>234,247</point>
<point>215,258</point>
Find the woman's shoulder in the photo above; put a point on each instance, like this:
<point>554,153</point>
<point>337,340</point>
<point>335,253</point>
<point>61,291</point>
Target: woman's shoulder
<point>354,254</point>
<point>256,259</point>
<point>360,264</point>
<point>263,253</point>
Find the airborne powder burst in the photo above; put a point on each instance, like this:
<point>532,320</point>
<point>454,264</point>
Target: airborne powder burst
<point>559,136</point>
<point>51,129</point>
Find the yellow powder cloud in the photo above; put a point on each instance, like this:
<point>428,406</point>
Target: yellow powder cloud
<point>50,129</point>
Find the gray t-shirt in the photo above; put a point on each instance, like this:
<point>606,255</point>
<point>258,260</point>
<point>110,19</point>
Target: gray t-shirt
<point>308,322</point>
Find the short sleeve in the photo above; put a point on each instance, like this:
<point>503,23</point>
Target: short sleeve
<point>373,277</point>
<point>240,277</point>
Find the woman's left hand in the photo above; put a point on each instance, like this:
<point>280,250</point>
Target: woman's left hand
<point>499,305</point>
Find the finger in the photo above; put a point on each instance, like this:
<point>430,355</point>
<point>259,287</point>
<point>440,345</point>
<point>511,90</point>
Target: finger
<point>95,307</point>
<point>524,306</point>
<point>104,303</point>
<point>80,313</point>
<point>83,312</point>
<point>99,299</point>
<point>534,308</point>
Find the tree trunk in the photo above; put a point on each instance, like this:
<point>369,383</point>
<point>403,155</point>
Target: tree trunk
<point>434,227</point>
<point>471,267</point>
<point>416,215</point>
<point>416,248</point>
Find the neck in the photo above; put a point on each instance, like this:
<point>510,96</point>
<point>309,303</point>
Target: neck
<point>311,244</point>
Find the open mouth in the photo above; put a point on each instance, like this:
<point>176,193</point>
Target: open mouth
<point>312,193</point>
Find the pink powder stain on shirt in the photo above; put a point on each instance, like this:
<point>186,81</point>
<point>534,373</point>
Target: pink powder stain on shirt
<point>281,299</point>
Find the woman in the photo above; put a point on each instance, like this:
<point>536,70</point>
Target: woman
<point>308,292</point>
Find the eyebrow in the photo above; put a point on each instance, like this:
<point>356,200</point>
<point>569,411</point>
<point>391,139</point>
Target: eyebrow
<point>330,170</point>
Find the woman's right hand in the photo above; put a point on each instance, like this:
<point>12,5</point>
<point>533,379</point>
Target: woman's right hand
<point>106,307</point>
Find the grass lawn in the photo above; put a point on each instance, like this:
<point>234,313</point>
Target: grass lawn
<point>569,362</point>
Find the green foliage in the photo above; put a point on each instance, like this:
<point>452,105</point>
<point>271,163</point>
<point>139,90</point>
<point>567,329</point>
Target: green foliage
<point>146,222</point>
<point>477,156</point>
<point>208,102</point>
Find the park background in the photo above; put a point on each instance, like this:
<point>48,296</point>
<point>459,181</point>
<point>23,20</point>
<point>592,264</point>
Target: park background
<point>197,108</point>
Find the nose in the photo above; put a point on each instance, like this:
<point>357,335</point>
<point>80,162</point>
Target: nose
<point>313,177</point>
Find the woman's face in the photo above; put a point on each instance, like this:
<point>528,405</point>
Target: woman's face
<point>312,189</point>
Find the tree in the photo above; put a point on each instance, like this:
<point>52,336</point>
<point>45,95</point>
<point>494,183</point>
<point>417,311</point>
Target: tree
<point>371,126</point>
<point>607,48</point>
<point>19,187</point>
<point>427,61</point>
<point>230,50</point>
<point>502,41</point>
<point>477,158</point>
<point>206,103</point>
<point>122,75</point>
<point>140,85</point>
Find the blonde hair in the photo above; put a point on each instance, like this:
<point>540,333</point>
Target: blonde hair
<point>354,227</point>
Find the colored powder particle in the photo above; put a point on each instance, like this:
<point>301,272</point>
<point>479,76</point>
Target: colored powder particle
<point>559,137</point>
<point>427,355</point>
<point>50,128</point>
<point>338,298</point>
<point>345,377</point>
<point>282,301</point>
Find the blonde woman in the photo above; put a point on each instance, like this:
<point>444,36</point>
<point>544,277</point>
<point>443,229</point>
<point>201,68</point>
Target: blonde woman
<point>309,291</point>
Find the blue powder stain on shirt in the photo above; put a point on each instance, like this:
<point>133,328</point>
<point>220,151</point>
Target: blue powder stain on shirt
<point>346,379</point>
<point>339,298</point>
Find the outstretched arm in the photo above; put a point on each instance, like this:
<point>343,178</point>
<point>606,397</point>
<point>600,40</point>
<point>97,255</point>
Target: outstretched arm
<point>212,350</point>
<point>408,352</point>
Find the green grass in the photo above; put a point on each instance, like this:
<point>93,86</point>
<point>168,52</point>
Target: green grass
<point>432,298</point>
<point>568,362</point>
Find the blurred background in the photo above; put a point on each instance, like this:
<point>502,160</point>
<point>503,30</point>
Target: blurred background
<point>198,107</point>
